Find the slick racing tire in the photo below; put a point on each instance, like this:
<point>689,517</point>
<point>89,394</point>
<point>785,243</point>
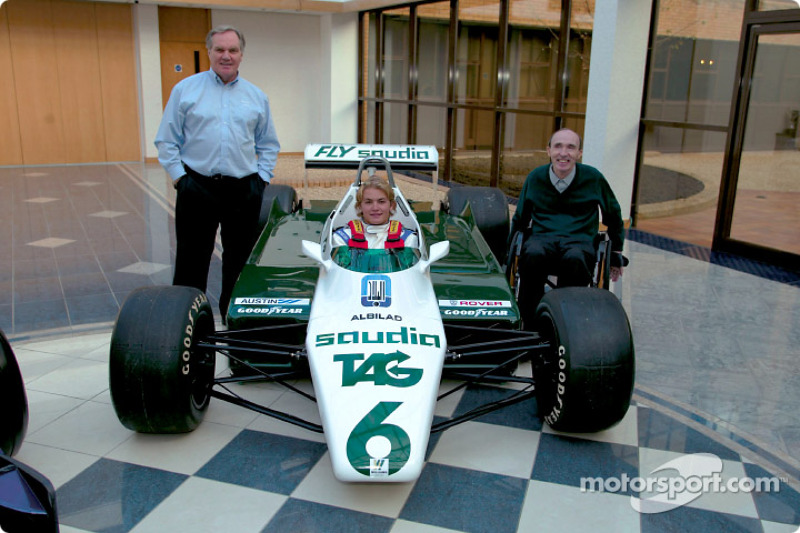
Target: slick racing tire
<point>490,211</point>
<point>585,382</point>
<point>284,197</point>
<point>13,402</point>
<point>159,379</point>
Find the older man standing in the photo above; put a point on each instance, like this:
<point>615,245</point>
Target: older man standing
<point>218,143</point>
<point>558,210</point>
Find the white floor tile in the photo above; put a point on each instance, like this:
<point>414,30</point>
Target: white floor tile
<point>386,499</point>
<point>59,466</point>
<point>403,526</point>
<point>202,505</point>
<point>79,378</point>
<point>169,452</point>
<point>550,507</point>
<point>44,408</point>
<point>488,448</point>
<point>92,428</point>
<point>774,527</point>
<point>33,364</point>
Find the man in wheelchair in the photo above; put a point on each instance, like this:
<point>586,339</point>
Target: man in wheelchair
<point>554,230</point>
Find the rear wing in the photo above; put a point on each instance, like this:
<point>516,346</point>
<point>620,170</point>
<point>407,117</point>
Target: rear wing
<point>400,156</point>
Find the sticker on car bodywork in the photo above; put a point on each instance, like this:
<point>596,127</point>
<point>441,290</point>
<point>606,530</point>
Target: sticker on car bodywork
<point>475,303</point>
<point>272,301</point>
<point>376,291</point>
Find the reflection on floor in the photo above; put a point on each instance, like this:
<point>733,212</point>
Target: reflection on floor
<point>718,369</point>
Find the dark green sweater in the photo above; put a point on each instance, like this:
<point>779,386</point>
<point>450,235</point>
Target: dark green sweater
<point>573,213</point>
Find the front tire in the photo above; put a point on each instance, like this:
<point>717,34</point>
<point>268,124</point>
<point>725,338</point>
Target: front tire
<point>584,384</point>
<point>13,402</point>
<point>159,379</point>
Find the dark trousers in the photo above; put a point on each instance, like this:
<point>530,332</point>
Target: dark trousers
<point>569,259</point>
<point>203,205</point>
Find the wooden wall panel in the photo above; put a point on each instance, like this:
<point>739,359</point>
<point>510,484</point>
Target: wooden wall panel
<point>72,88</point>
<point>118,81</point>
<point>10,142</point>
<point>36,81</point>
<point>75,35</point>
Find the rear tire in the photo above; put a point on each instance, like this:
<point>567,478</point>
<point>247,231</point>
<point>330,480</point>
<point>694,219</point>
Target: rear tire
<point>159,379</point>
<point>13,402</point>
<point>490,211</point>
<point>584,384</point>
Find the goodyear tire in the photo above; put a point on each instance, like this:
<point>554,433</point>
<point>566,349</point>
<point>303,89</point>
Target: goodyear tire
<point>490,211</point>
<point>159,379</point>
<point>584,384</point>
<point>284,197</point>
<point>13,402</point>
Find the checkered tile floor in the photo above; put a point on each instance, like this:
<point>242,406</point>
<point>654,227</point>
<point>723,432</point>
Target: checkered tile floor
<point>244,472</point>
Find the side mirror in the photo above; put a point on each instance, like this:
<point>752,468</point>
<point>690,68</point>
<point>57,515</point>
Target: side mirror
<point>313,250</point>
<point>438,251</point>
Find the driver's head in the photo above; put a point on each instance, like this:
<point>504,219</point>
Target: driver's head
<point>375,201</point>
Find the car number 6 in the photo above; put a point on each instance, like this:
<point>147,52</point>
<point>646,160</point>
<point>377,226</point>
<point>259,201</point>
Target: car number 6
<point>372,426</point>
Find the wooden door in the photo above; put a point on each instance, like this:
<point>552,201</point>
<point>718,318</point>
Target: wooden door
<point>182,34</point>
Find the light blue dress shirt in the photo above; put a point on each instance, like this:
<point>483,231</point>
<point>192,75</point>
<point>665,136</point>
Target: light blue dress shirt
<point>217,128</point>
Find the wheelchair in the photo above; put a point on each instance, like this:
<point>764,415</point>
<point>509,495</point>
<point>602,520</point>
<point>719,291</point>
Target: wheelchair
<point>601,275</point>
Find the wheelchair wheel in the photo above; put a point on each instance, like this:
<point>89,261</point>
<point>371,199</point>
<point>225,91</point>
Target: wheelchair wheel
<point>489,209</point>
<point>585,382</point>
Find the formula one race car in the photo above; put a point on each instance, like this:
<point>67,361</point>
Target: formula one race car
<point>376,330</point>
<point>27,498</point>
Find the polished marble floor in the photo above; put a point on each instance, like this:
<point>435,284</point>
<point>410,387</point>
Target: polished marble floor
<point>718,373</point>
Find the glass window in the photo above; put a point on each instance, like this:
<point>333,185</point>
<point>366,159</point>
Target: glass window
<point>693,61</point>
<point>472,157</point>
<point>532,53</point>
<point>434,31</point>
<point>395,123</point>
<point>370,65</point>
<point>432,126</point>
<point>525,141</point>
<point>476,55</point>
<point>395,53</point>
<point>678,184</point>
<point>765,209</point>
<point>580,45</point>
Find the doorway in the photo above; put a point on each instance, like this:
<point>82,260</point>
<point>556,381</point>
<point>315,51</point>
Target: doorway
<point>758,214</point>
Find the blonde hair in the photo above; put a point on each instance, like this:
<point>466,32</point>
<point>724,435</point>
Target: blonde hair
<point>374,182</point>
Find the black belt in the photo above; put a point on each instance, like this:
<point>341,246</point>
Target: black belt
<point>214,177</point>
